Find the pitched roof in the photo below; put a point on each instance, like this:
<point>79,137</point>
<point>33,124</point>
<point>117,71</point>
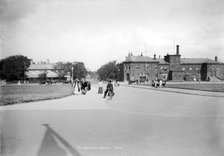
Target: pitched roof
<point>162,61</point>
<point>49,66</point>
<point>140,59</point>
<point>197,61</point>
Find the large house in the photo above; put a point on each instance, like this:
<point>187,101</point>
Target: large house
<point>35,70</point>
<point>171,67</point>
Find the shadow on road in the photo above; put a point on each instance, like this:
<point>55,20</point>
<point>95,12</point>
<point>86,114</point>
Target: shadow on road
<point>54,145</point>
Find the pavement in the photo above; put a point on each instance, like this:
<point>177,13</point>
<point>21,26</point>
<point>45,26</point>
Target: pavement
<point>177,90</point>
<point>136,122</point>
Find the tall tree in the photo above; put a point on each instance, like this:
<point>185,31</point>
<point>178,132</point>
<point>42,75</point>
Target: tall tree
<point>62,69</point>
<point>14,67</point>
<point>79,70</point>
<point>108,71</point>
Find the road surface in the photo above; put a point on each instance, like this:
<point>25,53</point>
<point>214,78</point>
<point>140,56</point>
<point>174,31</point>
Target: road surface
<point>137,122</point>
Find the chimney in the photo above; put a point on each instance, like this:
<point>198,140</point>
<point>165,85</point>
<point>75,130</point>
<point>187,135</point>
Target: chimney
<point>154,56</point>
<point>141,54</point>
<point>177,50</point>
<point>216,58</point>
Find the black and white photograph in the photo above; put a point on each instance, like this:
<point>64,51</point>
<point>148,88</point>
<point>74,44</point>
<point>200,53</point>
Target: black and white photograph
<point>111,77</point>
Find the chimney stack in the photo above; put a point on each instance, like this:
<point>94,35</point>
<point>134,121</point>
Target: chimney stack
<point>177,50</point>
<point>216,58</point>
<point>154,56</point>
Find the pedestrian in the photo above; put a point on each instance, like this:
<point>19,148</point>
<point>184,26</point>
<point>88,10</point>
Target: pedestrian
<point>109,89</point>
<point>83,86</point>
<point>116,84</point>
<point>88,85</point>
<point>160,83</point>
<point>76,85</point>
<point>156,82</point>
<point>100,87</point>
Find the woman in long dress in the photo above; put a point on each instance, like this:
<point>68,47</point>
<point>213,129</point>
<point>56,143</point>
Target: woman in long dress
<point>100,90</point>
<point>76,86</point>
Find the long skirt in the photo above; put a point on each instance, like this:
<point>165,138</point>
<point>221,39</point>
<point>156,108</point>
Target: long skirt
<point>100,91</point>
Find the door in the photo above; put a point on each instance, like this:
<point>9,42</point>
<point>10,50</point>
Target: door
<point>128,76</point>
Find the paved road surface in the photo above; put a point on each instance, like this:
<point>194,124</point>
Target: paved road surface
<point>137,122</point>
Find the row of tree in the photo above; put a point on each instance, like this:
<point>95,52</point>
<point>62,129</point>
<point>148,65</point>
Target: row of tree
<point>79,69</point>
<point>15,67</point>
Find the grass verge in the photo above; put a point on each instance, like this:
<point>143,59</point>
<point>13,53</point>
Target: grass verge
<point>212,87</point>
<point>12,94</point>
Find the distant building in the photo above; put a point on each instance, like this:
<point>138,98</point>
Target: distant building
<point>171,67</point>
<point>35,70</point>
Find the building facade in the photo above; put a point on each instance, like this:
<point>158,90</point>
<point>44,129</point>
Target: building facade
<point>171,67</point>
<point>35,70</point>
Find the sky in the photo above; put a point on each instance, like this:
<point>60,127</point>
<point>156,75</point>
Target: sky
<point>98,31</point>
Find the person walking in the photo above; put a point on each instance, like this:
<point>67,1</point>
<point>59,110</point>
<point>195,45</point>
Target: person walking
<point>109,89</point>
<point>76,86</point>
<point>100,87</point>
<point>83,86</point>
<point>160,83</point>
<point>156,82</point>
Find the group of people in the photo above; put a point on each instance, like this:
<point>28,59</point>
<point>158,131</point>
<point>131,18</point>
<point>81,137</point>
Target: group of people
<point>81,86</point>
<point>158,83</point>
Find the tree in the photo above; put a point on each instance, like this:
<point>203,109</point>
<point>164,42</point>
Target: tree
<point>14,67</point>
<point>62,69</point>
<point>42,76</point>
<point>108,71</point>
<point>79,70</point>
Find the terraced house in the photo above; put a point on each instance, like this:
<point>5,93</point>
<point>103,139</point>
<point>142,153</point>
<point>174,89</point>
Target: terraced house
<point>171,67</point>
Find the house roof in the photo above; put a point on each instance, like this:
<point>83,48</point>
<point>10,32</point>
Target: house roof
<point>162,61</point>
<point>131,58</point>
<point>198,61</point>
<point>140,59</point>
<point>49,66</point>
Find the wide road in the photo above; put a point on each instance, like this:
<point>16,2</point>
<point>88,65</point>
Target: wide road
<point>137,122</point>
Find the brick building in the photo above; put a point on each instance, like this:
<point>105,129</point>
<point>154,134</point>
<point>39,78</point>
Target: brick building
<point>171,67</point>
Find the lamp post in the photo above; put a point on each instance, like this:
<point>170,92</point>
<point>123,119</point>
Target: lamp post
<point>72,74</point>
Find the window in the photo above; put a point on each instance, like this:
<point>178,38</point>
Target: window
<point>190,68</point>
<point>161,67</point>
<point>147,67</point>
<point>137,67</point>
<point>183,68</point>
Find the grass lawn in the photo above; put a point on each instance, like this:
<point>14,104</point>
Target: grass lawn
<point>11,94</point>
<point>215,87</point>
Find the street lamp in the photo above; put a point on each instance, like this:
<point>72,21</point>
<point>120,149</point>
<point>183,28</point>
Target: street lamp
<point>72,73</point>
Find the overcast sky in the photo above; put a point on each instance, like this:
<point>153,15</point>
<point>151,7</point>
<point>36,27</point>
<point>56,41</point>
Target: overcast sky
<point>98,31</point>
